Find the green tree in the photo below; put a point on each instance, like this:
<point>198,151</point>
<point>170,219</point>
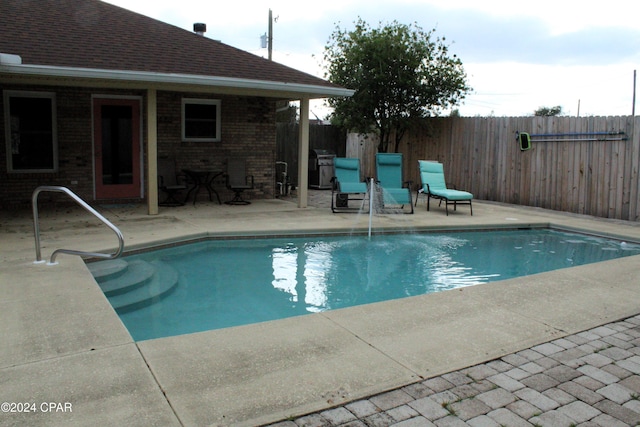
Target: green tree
<point>400,74</point>
<point>548,111</point>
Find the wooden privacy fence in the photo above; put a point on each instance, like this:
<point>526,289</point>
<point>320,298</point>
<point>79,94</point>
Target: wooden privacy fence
<point>320,137</point>
<point>583,171</point>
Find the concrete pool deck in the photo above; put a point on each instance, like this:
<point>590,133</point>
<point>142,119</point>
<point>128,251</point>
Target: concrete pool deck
<point>62,342</point>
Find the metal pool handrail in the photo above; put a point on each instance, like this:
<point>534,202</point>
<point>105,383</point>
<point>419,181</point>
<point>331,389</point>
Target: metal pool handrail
<point>74,196</point>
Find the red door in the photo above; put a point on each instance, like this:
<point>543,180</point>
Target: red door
<point>116,127</point>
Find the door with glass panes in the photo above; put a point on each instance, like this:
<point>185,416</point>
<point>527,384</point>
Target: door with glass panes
<point>116,135</point>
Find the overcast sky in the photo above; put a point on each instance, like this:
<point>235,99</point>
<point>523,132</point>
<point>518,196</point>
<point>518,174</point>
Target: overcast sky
<point>518,55</point>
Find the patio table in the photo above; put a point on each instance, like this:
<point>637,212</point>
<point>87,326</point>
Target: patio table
<point>202,178</point>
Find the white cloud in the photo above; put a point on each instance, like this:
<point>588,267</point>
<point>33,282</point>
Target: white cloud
<point>519,55</point>
<point>515,89</point>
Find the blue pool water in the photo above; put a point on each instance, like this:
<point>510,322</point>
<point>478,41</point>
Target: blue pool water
<point>225,283</point>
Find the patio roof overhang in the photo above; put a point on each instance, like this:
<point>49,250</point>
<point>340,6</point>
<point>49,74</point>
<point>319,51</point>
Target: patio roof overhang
<point>69,76</point>
<point>13,71</point>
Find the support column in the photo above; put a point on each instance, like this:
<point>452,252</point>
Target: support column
<point>152,152</point>
<point>303,154</point>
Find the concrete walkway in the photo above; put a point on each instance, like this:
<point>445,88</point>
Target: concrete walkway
<point>63,344</point>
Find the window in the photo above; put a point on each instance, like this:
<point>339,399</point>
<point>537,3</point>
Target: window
<point>30,131</point>
<point>201,120</point>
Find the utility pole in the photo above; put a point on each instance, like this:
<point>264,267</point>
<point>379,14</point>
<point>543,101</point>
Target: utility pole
<point>270,39</point>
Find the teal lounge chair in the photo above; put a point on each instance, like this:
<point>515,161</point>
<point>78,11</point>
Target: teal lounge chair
<point>389,173</point>
<point>347,185</point>
<point>434,185</point>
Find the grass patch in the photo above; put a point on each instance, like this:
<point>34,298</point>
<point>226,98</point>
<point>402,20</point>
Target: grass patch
<point>447,406</point>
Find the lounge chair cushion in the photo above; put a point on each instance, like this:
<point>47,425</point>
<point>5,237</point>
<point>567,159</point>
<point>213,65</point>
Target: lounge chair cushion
<point>352,187</point>
<point>453,195</point>
<point>396,196</point>
<point>391,160</point>
<point>347,163</point>
<point>433,182</point>
<point>389,174</point>
<point>347,173</point>
<point>347,185</point>
<point>389,170</point>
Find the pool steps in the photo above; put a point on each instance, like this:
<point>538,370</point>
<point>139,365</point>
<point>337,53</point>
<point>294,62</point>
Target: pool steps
<point>135,284</point>
<point>127,278</point>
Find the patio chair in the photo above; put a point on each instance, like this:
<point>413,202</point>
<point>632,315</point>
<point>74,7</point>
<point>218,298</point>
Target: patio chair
<point>170,182</point>
<point>434,186</point>
<point>389,174</point>
<point>347,185</point>
<point>238,181</point>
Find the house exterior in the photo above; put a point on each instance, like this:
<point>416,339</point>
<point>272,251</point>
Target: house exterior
<point>94,94</point>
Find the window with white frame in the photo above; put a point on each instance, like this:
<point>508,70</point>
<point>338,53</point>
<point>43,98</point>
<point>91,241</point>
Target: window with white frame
<point>30,131</point>
<point>201,120</point>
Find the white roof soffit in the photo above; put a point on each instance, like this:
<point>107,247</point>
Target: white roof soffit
<point>163,78</point>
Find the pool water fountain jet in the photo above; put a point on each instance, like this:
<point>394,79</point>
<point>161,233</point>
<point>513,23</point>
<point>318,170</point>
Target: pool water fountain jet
<point>369,207</point>
<point>371,193</point>
<point>377,205</point>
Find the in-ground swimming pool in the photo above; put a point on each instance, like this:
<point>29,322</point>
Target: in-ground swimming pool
<point>224,283</point>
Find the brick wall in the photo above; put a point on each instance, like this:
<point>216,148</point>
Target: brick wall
<point>248,130</point>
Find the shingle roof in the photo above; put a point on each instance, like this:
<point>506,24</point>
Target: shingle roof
<point>96,35</point>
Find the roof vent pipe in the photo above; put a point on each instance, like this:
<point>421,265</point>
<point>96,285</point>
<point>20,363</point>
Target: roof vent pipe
<point>199,28</point>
